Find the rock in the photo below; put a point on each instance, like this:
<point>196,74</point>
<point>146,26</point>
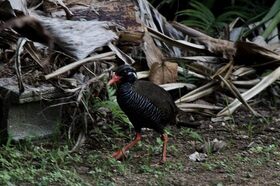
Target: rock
<point>82,169</point>
<point>198,157</point>
<point>218,145</point>
<point>211,146</point>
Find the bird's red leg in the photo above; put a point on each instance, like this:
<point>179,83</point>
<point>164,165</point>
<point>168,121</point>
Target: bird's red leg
<point>164,138</point>
<point>120,153</point>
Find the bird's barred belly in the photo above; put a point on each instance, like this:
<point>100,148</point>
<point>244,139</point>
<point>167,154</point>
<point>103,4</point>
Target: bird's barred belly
<point>134,104</point>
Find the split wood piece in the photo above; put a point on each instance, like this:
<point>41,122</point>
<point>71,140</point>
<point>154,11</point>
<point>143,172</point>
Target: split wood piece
<point>205,112</point>
<point>242,71</point>
<point>202,66</point>
<point>123,13</point>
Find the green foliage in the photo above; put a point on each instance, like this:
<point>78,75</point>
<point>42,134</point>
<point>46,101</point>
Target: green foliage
<point>192,134</point>
<point>264,149</point>
<point>186,77</point>
<point>200,16</point>
<point>220,164</point>
<point>211,16</point>
<point>111,103</point>
<point>31,164</point>
<point>105,168</point>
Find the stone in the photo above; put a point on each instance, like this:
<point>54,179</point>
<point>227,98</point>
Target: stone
<point>32,120</point>
<point>28,114</point>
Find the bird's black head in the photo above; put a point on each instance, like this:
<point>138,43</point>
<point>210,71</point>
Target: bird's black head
<point>123,74</point>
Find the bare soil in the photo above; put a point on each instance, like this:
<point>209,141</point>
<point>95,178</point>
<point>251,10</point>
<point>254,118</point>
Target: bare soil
<point>251,155</point>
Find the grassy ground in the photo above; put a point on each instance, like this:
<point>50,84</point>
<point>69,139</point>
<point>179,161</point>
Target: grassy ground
<point>251,157</point>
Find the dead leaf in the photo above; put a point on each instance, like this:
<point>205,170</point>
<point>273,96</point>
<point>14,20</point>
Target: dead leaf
<point>163,73</point>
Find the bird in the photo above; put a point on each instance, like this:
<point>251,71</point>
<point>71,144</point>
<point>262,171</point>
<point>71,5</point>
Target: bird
<point>146,105</point>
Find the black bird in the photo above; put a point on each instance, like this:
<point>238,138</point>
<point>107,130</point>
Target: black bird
<point>147,106</point>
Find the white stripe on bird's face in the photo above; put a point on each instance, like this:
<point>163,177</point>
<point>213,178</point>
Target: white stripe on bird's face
<point>133,73</point>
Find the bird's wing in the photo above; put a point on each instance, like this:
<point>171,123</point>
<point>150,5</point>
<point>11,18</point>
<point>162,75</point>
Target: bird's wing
<point>157,95</point>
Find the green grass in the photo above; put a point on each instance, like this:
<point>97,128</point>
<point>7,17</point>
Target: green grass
<point>257,156</point>
<point>34,164</point>
<point>49,163</point>
<point>52,164</point>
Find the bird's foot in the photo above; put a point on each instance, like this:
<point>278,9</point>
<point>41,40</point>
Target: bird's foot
<point>119,155</point>
<point>162,161</point>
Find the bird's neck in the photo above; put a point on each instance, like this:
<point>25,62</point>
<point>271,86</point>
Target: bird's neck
<point>124,89</point>
<point>125,94</point>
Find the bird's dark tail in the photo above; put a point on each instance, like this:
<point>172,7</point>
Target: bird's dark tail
<point>183,119</point>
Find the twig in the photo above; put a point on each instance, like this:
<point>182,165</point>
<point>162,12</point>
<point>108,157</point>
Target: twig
<point>66,68</point>
<point>21,42</point>
<point>81,139</point>
<point>92,80</point>
<point>32,51</point>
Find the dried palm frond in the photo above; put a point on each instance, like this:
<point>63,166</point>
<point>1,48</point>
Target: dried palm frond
<point>98,57</point>
<point>200,92</point>
<point>264,83</point>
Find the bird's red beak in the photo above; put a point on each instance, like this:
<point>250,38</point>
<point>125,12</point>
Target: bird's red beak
<point>115,79</point>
